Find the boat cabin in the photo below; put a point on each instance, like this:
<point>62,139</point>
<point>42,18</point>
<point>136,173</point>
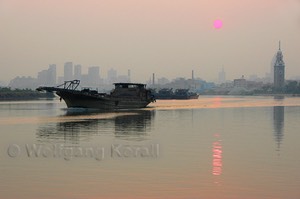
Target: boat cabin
<point>129,90</point>
<point>129,85</point>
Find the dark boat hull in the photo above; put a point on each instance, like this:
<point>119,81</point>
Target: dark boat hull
<point>77,99</point>
<point>124,96</point>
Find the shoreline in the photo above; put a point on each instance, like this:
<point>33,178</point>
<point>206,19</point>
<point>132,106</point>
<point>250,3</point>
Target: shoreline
<point>26,96</point>
<point>266,95</point>
<point>51,96</point>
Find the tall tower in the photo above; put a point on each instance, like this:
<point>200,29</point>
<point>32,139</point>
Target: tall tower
<point>222,76</point>
<point>279,70</point>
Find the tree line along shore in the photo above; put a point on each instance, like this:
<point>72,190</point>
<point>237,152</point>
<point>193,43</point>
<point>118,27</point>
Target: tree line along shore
<point>7,94</point>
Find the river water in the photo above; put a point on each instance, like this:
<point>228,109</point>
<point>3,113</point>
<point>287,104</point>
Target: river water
<point>213,148</point>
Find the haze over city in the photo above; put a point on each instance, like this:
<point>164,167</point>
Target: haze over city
<point>169,38</point>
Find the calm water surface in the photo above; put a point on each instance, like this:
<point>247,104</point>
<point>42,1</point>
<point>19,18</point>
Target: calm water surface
<point>212,148</point>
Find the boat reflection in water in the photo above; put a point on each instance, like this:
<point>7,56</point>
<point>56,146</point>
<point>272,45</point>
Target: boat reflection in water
<point>278,123</point>
<point>134,126</point>
<point>81,126</point>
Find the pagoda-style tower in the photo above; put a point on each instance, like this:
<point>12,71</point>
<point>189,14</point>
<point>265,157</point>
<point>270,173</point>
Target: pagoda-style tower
<point>279,72</point>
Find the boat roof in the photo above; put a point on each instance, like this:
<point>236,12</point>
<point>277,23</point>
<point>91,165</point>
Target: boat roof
<point>136,84</point>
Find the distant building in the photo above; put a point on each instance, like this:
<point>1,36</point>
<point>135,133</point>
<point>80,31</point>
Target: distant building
<point>23,83</point>
<point>253,78</point>
<point>77,71</point>
<point>279,72</point>
<point>268,77</point>
<point>52,74</point>
<point>42,78</point>
<point>84,80</point>
<point>60,80</point>
<point>111,76</point>
<point>47,77</point>
<point>68,71</point>
<point>194,85</point>
<point>241,83</point>
<point>162,81</point>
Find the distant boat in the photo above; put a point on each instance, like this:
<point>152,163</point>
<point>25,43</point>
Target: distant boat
<point>124,96</point>
<point>168,93</point>
<point>165,93</point>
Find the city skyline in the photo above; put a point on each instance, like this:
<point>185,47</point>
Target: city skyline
<point>73,71</point>
<point>76,67</point>
<point>166,37</point>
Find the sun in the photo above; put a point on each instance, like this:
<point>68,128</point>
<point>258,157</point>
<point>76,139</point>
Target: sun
<point>218,24</point>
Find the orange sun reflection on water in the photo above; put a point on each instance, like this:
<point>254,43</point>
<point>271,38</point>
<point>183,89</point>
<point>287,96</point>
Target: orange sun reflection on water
<point>216,102</point>
<point>217,156</point>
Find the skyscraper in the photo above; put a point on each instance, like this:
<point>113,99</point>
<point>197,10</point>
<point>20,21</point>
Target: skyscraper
<point>68,71</point>
<point>42,78</point>
<point>279,71</point>
<point>52,74</point>
<point>112,76</point>
<point>77,72</point>
<point>94,75</point>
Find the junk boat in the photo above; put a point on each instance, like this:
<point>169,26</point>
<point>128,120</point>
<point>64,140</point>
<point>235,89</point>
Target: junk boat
<point>123,96</point>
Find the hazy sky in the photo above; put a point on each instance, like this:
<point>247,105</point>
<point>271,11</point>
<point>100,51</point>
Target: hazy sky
<point>168,37</point>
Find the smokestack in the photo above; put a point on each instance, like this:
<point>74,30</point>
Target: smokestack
<point>129,76</point>
<point>153,78</point>
<point>192,74</point>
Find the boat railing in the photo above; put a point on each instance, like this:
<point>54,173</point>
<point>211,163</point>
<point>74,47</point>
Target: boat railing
<point>67,85</point>
<point>70,85</point>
